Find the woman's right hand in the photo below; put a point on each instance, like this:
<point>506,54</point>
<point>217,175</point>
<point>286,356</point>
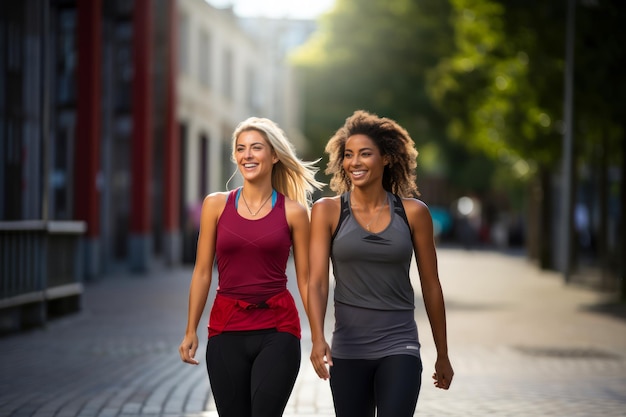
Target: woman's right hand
<point>321,359</point>
<point>187,349</point>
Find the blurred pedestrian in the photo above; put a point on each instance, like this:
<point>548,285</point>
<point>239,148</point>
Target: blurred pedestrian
<point>253,349</point>
<point>370,231</point>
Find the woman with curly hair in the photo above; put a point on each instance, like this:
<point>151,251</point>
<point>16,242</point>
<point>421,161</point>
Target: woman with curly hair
<point>253,350</point>
<point>370,231</point>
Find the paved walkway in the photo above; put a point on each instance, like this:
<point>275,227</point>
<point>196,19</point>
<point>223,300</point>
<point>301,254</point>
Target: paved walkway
<point>522,344</point>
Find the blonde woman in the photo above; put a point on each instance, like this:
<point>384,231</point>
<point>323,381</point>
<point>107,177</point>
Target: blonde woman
<point>253,350</point>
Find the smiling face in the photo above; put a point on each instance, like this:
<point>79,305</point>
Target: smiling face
<point>362,160</point>
<point>254,155</point>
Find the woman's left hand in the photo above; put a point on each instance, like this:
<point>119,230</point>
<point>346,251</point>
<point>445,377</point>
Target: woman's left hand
<point>443,373</point>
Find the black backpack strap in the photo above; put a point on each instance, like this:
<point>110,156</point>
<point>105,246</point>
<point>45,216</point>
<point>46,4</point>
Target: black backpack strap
<point>345,212</point>
<point>398,208</point>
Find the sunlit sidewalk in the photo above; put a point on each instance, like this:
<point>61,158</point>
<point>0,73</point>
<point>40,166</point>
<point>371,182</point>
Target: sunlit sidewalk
<point>522,343</point>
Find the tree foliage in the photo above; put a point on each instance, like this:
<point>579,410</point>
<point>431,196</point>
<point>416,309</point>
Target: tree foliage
<point>376,55</point>
<point>502,88</point>
<point>469,78</point>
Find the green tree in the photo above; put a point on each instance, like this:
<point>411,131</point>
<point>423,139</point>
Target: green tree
<point>502,89</point>
<point>601,115</point>
<point>375,55</point>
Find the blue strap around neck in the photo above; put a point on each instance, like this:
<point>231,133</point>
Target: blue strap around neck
<point>274,197</point>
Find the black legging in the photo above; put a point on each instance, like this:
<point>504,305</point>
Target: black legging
<point>252,373</point>
<point>389,385</point>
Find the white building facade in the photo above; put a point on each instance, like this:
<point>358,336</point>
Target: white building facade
<point>228,70</point>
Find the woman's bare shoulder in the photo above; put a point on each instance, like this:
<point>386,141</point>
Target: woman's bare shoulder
<point>293,206</point>
<point>328,203</point>
<point>415,207</point>
<point>327,207</point>
<point>217,196</point>
<point>415,203</point>
<point>215,201</point>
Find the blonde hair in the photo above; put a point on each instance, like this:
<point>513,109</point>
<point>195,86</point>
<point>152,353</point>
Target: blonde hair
<point>290,176</point>
<point>391,139</point>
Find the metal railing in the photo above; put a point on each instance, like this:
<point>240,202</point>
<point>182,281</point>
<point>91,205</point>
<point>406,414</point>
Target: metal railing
<point>40,271</point>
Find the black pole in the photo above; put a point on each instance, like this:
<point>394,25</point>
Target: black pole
<point>568,139</point>
<point>45,108</point>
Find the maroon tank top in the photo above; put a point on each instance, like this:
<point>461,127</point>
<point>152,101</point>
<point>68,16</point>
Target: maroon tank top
<point>252,254</point>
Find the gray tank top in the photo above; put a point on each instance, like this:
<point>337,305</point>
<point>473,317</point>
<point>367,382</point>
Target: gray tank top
<point>374,299</point>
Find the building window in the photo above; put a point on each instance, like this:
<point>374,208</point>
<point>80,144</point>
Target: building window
<point>253,92</point>
<point>203,182</point>
<point>227,75</point>
<point>66,59</point>
<point>62,152</point>
<point>183,44</point>
<point>124,66</point>
<point>204,59</point>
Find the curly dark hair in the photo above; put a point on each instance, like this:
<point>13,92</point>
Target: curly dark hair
<point>391,139</point>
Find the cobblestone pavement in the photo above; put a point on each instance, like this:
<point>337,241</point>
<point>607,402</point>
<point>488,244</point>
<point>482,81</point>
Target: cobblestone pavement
<point>522,344</point>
